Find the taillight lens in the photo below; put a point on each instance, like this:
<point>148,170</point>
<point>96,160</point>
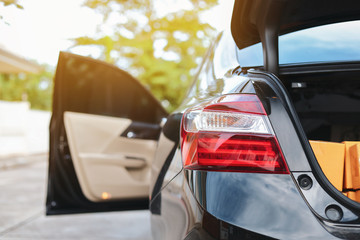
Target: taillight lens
<point>231,133</point>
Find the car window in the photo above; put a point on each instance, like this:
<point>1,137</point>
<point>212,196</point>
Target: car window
<point>327,43</point>
<point>94,87</point>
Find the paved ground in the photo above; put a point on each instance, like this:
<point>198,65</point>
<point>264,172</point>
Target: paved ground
<point>22,197</point>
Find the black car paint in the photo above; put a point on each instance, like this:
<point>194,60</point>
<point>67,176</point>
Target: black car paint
<point>231,197</point>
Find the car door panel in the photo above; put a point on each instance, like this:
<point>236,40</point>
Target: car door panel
<point>108,165</point>
<point>103,136</point>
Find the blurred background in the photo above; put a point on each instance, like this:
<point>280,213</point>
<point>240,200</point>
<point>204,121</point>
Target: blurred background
<point>159,42</point>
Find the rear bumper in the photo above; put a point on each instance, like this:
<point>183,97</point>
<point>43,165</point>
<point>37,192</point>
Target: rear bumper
<point>234,205</point>
<point>262,204</point>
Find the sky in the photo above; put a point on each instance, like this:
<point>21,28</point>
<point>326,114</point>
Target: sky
<point>45,27</point>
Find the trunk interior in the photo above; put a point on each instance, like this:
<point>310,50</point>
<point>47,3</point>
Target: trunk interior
<point>327,100</point>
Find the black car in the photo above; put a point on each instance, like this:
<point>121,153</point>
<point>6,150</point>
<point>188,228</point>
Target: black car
<point>234,160</point>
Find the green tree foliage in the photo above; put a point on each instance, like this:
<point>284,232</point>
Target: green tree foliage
<point>35,88</point>
<point>10,3</point>
<point>7,3</point>
<point>161,50</point>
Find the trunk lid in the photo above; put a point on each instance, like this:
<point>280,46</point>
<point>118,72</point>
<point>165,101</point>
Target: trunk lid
<point>255,21</point>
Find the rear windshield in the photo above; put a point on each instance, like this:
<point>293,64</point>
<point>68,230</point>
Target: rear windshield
<point>327,43</point>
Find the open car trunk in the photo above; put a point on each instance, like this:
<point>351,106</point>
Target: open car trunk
<point>327,100</point>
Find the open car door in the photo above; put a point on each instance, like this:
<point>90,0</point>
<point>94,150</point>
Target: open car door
<point>103,137</point>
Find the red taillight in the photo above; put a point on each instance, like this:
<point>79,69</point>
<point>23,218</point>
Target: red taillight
<point>231,133</point>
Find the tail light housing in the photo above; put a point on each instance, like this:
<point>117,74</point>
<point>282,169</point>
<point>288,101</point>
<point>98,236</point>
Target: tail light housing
<point>230,133</point>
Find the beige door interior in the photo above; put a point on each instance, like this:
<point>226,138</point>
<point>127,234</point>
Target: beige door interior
<point>108,166</point>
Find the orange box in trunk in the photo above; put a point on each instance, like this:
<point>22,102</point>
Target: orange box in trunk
<point>354,195</point>
<point>352,176</point>
<point>330,157</point>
